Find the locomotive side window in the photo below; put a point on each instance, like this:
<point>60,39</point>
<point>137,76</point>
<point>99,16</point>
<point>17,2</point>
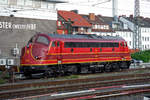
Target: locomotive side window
<point>58,43</point>
<point>43,40</point>
<point>90,44</point>
<point>115,44</point>
<point>53,44</point>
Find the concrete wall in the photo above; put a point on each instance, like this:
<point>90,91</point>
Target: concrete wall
<point>15,30</point>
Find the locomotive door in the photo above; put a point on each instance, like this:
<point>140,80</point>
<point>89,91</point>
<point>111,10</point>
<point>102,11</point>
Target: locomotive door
<point>59,52</point>
<point>122,47</point>
<point>96,52</point>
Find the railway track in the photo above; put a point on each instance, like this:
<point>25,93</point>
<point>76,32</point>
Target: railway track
<point>104,94</point>
<point>39,88</point>
<point>73,81</point>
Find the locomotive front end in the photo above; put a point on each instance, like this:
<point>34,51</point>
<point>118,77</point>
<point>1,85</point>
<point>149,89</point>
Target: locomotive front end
<point>34,55</point>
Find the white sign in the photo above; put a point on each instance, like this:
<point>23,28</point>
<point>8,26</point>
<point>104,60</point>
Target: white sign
<point>9,25</point>
<point>2,61</point>
<point>10,61</point>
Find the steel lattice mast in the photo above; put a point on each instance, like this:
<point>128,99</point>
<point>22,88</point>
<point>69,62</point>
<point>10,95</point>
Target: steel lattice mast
<point>137,31</point>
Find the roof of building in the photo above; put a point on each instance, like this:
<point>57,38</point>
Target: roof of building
<point>147,20</point>
<point>143,22</point>
<point>106,19</point>
<point>96,21</point>
<point>76,19</point>
<point>110,21</point>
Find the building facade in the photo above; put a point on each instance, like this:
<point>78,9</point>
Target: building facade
<point>120,29</point>
<point>144,30</point>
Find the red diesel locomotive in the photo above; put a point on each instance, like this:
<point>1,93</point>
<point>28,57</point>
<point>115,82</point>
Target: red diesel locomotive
<point>53,54</point>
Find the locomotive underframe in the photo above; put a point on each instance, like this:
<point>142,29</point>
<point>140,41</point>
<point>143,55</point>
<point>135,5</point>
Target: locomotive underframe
<point>76,68</point>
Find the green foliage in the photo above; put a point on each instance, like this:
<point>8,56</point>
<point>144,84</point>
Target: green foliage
<point>3,77</point>
<point>2,81</point>
<point>142,55</point>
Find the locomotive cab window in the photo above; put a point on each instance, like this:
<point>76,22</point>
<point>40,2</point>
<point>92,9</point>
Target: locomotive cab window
<point>125,44</point>
<point>56,44</point>
<point>32,40</point>
<point>43,40</point>
<point>121,44</point>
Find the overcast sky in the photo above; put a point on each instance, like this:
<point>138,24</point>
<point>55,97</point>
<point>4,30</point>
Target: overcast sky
<point>125,7</point>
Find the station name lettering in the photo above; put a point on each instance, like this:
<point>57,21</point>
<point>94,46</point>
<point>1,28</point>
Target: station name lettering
<point>9,25</point>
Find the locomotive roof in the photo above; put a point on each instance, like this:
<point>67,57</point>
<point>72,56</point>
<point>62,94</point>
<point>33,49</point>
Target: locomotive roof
<point>86,37</point>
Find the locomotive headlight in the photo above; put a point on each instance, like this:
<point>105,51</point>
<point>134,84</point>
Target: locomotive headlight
<point>123,58</point>
<point>37,57</point>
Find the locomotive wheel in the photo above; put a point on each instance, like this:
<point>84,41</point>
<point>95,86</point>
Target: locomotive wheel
<point>108,68</point>
<point>28,75</point>
<point>73,69</point>
<point>48,74</point>
<point>124,65</point>
<point>115,67</point>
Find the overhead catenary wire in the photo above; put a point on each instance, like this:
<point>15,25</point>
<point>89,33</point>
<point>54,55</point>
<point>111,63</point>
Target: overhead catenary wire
<point>88,3</point>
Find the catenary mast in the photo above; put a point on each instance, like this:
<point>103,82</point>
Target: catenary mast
<point>137,33</point>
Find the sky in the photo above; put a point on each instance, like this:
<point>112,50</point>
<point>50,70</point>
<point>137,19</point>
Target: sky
<point>125,7</point>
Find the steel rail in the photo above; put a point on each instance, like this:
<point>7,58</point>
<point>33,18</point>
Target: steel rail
<point>53,83</point>
<point>105,95</point>
<point>72,81</point>
<point>73,87</point>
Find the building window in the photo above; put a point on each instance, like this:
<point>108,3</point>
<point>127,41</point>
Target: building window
<point>37,4</point>
<point>93,26</point>
<point>102,27</point>
<point>3,2</point>
<point>44,5</point>
<point>143,38</point>
<point>96,26</point>
<point>127,34</point>
<point>89,30</point>
<point>20,2</point>
<point>12,2</point>
<point>130,43</point>
<point>28,3</point>
<point>107,27</point>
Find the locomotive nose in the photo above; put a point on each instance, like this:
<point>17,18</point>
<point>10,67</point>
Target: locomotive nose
<point>39,52</point>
